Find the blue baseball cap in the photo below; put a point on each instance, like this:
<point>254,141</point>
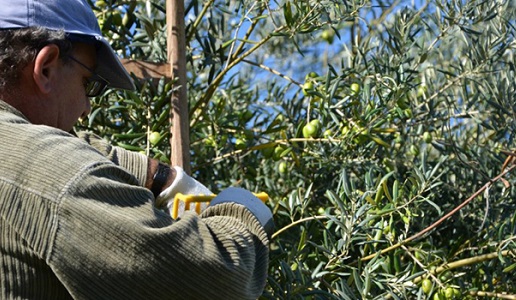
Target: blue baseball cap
<point>77,20</point>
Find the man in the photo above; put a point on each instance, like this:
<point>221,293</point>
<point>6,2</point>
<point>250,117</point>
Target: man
<point>77,216</point>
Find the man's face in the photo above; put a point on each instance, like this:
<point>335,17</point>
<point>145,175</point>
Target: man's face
<point>69,101</point>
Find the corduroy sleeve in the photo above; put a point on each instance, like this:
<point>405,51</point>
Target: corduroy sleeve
<point>135,163</point>
<point>111,243</point>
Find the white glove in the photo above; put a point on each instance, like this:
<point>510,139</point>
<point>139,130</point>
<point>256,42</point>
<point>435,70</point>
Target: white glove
<point>183,184</point>
<point>251,202</point>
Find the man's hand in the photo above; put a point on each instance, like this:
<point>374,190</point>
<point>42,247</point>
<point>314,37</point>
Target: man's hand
<point>183,184</point>
<point>251,202</point>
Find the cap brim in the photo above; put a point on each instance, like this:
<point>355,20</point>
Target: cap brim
<point>108,64</point>
<point>110,67</point>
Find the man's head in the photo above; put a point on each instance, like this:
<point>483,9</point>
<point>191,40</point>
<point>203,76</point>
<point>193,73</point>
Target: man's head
<point>79,23</point>
<point>45,47</point>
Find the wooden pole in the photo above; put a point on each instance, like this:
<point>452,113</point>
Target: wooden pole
<point>176,50</point>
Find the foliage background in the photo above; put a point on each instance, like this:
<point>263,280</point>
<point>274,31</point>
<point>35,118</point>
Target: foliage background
<point>416,110</point>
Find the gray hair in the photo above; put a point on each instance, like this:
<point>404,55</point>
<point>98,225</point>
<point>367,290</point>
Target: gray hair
<point>19,47</point>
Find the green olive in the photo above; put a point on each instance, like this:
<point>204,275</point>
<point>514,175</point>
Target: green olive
<point>154,137</point>
<point>308,87</point>
<point>309,130</point>
<point>427,137</point>
<point>438,296</point>
<point>311,75</point>
<point>240,144</point>
<point>426,286</point>
<point>100,3</point>
<point>355,88</point>
<point>448,293</point>
<point>277,153</point>
<point>328,35</point>
<point>282,167</point>
<point>316,123</point>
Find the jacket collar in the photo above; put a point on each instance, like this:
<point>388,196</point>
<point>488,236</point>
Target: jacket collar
<point>8,108</point>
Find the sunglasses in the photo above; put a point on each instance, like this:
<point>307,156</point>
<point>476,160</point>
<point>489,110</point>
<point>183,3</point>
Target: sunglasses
<point>95,84</point>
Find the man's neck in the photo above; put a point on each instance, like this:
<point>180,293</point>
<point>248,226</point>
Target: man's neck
<point>4,106</point>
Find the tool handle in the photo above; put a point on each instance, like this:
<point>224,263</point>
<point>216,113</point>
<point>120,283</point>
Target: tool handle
<point>197,200</point>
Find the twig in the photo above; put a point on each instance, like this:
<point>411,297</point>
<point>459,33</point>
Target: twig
<point>434,225</point>
<point>491,294</point>
<point>273,72</point>
<point>464,262</point>
<point>296,223</point>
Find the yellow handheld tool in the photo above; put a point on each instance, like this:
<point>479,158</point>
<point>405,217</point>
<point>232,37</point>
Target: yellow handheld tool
<point>183,202</point>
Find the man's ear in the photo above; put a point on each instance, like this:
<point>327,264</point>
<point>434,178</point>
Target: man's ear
<point>46,67</point>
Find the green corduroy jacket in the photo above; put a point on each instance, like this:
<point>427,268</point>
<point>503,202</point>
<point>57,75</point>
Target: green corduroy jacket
<point>76,223</point>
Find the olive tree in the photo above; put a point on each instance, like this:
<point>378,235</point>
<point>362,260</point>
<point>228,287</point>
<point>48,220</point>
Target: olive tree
<point>382,131</point>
